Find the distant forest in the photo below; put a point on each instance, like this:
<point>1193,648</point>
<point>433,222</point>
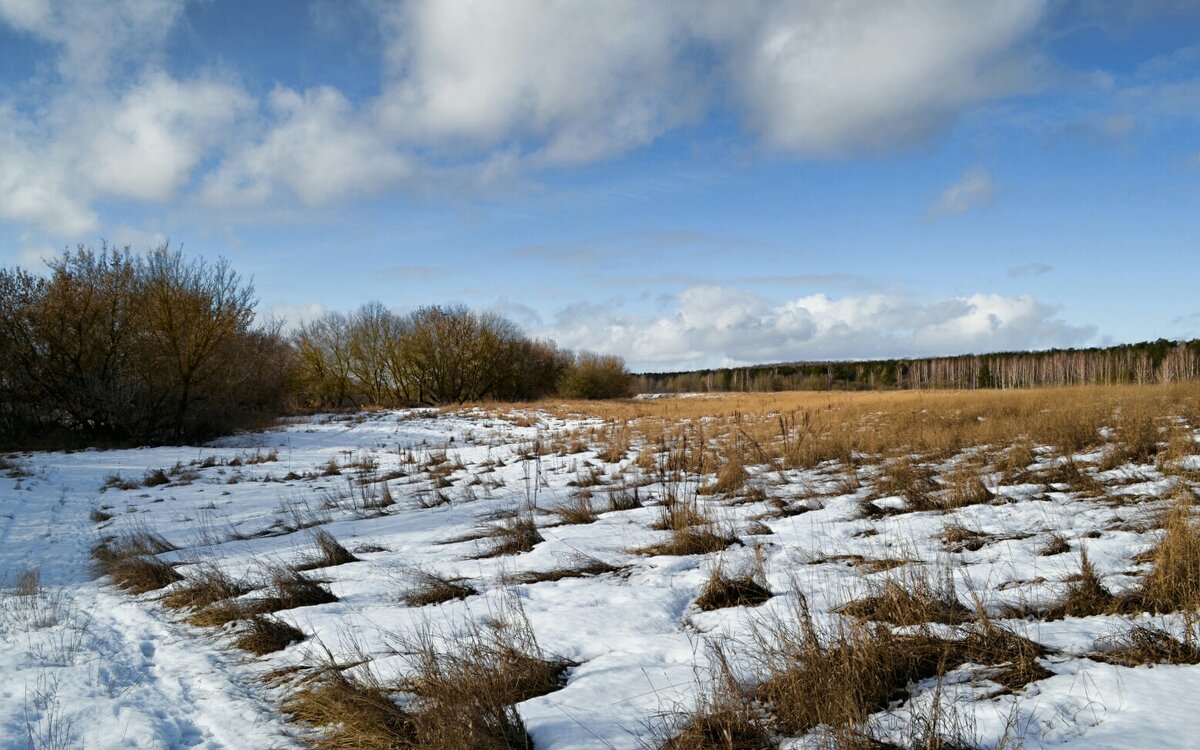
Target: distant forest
<point>1160,361</point>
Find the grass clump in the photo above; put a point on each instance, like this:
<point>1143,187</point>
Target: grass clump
<point>209,586</point>
<point>839,677</point>
<point>513,536</point>
<point>583,566</point>
<point>466,688</point>
<point>723,590</point>
<point>1086,594</point>
<point>914,598</point>
<point>1149,644</point>
<point>726,716</point>
<point>356,713</point>
<point>329,553</point>
<point>578,509</point>
<point>430,588</point>
<point>130,561</point>
<point>266,635</point>
<point>1173,582</point>
<point>291,589</point>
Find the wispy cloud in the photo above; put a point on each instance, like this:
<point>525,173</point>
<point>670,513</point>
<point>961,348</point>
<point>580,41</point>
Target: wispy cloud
<point>1028,270</point>
<point>974,188</point>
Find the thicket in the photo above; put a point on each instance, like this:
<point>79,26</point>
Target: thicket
<point>440,355</point>
<point>115,347</point>
<point>1160,361</point>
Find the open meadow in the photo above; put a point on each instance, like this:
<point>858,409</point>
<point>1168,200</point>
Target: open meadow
<point>967,569</point>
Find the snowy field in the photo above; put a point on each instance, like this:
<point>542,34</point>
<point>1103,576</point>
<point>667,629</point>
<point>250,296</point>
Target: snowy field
<point>422,498</point>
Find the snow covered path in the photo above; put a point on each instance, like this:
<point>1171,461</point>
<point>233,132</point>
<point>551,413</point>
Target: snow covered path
<point>86,666</point>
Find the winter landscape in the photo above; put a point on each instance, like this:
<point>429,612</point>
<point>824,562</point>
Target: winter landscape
<point>599,374</point>
<point>722,571</point>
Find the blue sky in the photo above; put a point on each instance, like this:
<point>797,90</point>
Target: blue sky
<point>686,184</point>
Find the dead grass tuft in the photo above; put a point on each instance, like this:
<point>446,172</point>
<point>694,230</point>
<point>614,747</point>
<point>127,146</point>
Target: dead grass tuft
<point>912,596</point>
<point>1086,595</point>
<point>726,716</point>
<point>357,713</point>
<point>465,693</point>
<point>291,589</point>
<point>207,586</point>
<point>582,566</point>
<point>130,560</point>
<point>430,588</point>
<point>513,536</point>
<point>577,510</point>
<point>1173,582</point>
<point>1148,644</point>
<point>744,589</point>
<point>840,676</point>
<point>266,635</point>
<point>329,553</point>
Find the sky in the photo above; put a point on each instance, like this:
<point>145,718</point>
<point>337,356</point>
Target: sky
<point>685,183</point>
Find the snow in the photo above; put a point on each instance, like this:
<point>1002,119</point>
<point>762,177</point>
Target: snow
<point>88,666</point>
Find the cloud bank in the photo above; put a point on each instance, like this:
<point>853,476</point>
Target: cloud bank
<point>716,326</point>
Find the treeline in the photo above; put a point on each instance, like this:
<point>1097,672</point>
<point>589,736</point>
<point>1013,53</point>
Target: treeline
<point>440,355</point>
<point>117,348</point>
<point>1160,361</point>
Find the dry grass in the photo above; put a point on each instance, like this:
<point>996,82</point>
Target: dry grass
<point>266,635</point>
<point>466,693</point>
<point>959,538</point>
<point>291,589</point>
<point>1086,594</point>
<point>207,586</point>
<point>1173,582</point>
<point>430,588</point>
<point>512,536</point>
<point>130,561</point>
<point>839,677</point>
<point>329,553</point>
<point>723,590</point>
<point>913,596</point>
<point>582,566</point>
<point>578,509</point>
<point>1147,644</point>
<point>1056,544</point>
<point>692,540</point>
<point>725,718</point>
<point>357,713</point>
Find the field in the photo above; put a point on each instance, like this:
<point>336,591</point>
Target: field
<point>916,569</point>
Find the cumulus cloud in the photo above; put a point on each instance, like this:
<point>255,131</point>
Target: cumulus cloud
<point>477,93</point>
<point>712,326</point>
<point>95,37</point>
<point>317,147</point>
<point>582,80</point>
<point>833,78</point>
<point>974,188</point>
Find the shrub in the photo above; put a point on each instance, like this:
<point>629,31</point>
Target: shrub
<point>596,376</point>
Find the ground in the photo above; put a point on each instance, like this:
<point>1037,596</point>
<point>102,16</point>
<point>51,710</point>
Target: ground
<point>420,495</point>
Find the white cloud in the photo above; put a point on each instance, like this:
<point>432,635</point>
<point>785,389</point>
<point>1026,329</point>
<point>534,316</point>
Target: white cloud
<point>836,78</point>
<point>94,37</point>
<point>718,326</point>
<point>319,148</point>
<point>156,134</point>
<point>582,80</point>
<point>974,188</point>
<point>477,93</point>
